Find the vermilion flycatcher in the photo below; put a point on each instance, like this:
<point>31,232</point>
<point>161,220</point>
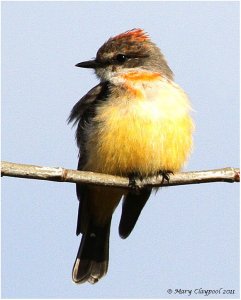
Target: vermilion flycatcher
<point>135,122</point>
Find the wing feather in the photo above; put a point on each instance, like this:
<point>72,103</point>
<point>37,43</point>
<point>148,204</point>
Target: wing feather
<point>81,115</point>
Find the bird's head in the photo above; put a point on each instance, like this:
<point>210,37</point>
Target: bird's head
<point>130,50</point>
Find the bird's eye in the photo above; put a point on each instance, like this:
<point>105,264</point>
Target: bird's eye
<point>121,58</point>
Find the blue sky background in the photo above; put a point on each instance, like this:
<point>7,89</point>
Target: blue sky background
<point>188,236</point>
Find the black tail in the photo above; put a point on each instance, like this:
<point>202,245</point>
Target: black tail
<point>92,259</point>
<point>131,209</point>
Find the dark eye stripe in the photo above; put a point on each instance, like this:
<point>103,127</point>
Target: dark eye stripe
<point>119,59</point>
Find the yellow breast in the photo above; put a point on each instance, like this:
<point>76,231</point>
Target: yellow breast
<point>145,128</point>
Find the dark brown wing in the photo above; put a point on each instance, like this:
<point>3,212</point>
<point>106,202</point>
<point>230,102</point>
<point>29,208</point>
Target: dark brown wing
<point>84,109</point>
<point>82,114</point>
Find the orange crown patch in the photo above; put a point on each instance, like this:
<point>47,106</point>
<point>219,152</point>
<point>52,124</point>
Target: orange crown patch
<point>133,34</point>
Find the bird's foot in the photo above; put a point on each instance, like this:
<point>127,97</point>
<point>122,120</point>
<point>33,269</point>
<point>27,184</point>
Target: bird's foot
<point>165,175</point>
<point>132,182</point>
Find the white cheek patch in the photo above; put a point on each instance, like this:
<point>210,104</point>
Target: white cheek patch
<point>112,73</point>
<point>105,74</point>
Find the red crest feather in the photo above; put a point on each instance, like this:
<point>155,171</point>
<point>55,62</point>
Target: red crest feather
<point>133,34</point>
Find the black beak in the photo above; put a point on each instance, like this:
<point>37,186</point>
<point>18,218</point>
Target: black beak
<point>92,64</point>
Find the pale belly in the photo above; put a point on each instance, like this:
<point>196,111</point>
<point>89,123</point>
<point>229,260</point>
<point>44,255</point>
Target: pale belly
<point>142,136</point>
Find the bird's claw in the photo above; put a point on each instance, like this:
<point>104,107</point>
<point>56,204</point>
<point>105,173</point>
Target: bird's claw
<point>165,176</point>
<point>132,182</point>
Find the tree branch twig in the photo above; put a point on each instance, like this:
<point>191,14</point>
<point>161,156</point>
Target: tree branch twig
<point>67,175</point>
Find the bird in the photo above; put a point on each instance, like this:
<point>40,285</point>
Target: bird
<point>136,122</point>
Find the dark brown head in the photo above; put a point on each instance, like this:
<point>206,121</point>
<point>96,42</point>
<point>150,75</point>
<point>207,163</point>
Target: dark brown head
<point>128,50</point>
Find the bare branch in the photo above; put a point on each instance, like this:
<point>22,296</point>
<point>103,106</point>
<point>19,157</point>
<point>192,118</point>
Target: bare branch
<point>66,175</point>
